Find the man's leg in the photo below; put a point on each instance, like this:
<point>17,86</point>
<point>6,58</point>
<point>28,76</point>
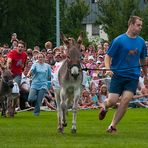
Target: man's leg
<point>126,97</point>
<point>110,101</point>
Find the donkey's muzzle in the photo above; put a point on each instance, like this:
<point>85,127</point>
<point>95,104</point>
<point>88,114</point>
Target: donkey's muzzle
<point>75,76</point>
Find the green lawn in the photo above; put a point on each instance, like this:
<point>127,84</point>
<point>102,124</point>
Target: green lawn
<point>27,131</point>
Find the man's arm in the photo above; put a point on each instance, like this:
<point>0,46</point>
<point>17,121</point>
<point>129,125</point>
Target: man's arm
<point>107,61</point>
<point>8,64</point>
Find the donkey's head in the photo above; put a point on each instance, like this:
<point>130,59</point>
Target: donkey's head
<point>73,54</point>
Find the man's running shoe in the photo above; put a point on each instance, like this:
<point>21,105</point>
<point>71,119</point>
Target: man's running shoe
<point>102,114</point>
<point>111,129</point>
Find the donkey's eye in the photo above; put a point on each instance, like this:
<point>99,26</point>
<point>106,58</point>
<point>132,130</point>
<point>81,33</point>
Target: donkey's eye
<point>5,77</point>
<point>68,57</point>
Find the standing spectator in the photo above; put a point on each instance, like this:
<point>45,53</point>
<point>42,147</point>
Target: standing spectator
<point>127,50</point>
<point>58,62</point>
<point>48,45</point>
<point>36,48</point>
<point>29,54</point>
<point>34,56</point>
<point>41,74</point>
<point>14,44</point>
<point>13,37</point>
<point>105,46</point>
<point>50,57</point>
<point>83,50</point>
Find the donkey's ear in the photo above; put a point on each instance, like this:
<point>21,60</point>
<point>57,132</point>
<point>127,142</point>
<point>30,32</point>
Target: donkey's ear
<point>64,39</point>
<point>2,66</point>
<point>80,38</point>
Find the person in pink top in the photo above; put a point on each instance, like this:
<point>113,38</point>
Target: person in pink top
<point>91,64</point>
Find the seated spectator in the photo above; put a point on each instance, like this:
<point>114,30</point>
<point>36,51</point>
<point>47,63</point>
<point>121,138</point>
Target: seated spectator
<point>100,50</point>
<point>94,98</point>
<point>24,91</point>
<point>91,64</point>
<point>103,94</point>
<point>86,100</point>
<point>144,90</point>
<point>141,98</point>
<point>94,83</point>
<point>49,102</point>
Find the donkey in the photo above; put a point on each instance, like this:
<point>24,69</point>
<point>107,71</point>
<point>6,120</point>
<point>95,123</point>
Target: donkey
<point>6,85</point>
<point>70,80</point>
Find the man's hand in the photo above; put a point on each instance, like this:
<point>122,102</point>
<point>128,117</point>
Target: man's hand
<point>109,73</point>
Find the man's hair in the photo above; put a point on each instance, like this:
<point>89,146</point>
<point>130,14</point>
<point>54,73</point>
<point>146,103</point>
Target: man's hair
<point>22,42</point>
<point>48,45</point>
<point>133,19</point>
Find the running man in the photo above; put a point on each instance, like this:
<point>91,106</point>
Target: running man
<point>127,50</point>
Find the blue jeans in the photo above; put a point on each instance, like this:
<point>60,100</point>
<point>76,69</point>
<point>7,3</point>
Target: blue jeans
<point>36,96</point>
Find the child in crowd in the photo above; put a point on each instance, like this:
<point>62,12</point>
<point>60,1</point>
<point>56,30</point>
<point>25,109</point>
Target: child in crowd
<point>103,94</point>
<point>86,100</point>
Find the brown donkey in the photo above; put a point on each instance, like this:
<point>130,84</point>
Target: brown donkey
<point>6,84</point>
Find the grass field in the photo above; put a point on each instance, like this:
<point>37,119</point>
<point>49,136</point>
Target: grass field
<point>27,131</point>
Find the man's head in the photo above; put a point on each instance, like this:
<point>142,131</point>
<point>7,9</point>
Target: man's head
<point>21,46</point>
<point>57,54</point>
<point>135,25</point>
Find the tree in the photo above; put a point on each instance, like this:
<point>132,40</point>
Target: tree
<point>34,21</point>
<point>144,33</point>
<point>72,18</point>
<point>114,15</point>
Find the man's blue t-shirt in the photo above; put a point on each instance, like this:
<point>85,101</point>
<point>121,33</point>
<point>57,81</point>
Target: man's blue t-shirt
<point>126,53</point>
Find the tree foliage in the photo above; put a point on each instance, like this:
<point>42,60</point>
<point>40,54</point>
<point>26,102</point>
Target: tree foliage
<point>31,20</point>
<point>72,18</point>
<point>114,15</point>
<point>34,21</point>
<point>144,33</point>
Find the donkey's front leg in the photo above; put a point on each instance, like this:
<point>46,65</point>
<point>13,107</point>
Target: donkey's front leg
<point>63,106</point>
<point>59,111</point>
<point>74,110</point>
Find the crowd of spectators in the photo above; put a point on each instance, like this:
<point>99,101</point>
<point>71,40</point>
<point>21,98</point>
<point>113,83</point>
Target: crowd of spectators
<point>95,82</point>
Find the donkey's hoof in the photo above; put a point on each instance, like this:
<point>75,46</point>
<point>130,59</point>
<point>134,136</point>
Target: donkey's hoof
<point>73,131</point>
<point>4,116</point>
<point>64,124</point>
<point>60,130</point>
